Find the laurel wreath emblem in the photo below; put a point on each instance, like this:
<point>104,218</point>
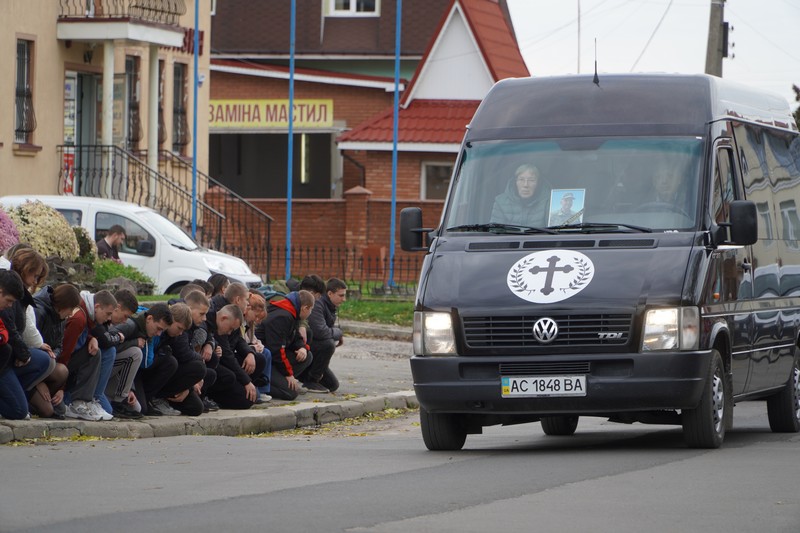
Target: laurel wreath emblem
<point>581,278</point>
<point>517,282</point>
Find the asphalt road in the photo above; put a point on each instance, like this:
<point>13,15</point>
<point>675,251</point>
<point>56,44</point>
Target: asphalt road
<point>378,477</point>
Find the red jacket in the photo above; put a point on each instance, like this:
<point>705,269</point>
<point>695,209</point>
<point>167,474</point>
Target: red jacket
<point>76,324</point>
<point>3,333</point>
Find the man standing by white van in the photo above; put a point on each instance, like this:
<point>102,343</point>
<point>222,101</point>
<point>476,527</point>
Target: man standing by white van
<point>108,246</point>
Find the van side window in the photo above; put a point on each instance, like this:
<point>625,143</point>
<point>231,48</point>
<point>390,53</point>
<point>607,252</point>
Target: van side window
<point>723,193</point>
<point>73,216</point>
<point>752,160</point>
<point>134,233</point>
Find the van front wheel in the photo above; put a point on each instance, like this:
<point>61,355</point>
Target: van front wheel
<point>442,431</point>
<point>784,408</point>
<point>559,425</point>
<point>704,426</point>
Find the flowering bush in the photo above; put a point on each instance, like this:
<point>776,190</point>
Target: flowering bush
<point>45,229</point>
<point>9,236</point>
<point>87,248</point>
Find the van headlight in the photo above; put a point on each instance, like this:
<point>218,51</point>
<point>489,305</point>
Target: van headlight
<point>674,328</point>
<point>433,334</point>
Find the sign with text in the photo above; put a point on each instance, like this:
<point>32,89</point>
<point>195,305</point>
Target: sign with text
<point>269,114</point>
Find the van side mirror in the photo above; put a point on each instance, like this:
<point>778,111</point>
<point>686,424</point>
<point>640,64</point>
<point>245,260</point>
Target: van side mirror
<point>146,248</point>
<point>743,222</point>
<point>412,234</point>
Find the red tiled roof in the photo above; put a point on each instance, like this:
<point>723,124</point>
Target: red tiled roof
<point>494,35</point>
<point>495,38</point>
<point>423,121</point>
<point>262,27</point>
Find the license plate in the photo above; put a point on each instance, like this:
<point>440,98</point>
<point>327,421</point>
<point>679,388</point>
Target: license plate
<point>541,386</point>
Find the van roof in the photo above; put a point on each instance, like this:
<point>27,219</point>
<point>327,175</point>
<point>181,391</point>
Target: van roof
<point>66,201</point>
<point>654,103</point>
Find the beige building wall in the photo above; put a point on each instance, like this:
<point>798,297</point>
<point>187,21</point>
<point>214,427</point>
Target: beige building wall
<point>34,168</point>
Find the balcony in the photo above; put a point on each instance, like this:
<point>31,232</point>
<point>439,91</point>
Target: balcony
<point>146,21</point>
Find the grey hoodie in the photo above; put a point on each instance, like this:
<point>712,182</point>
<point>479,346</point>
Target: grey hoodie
<point>509,208</point>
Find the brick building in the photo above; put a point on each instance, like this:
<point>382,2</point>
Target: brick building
<point>452,53</point>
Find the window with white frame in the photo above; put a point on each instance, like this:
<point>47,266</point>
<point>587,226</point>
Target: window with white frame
<point>354,8</point>
<point>25,118</point>
<point>435,180</point>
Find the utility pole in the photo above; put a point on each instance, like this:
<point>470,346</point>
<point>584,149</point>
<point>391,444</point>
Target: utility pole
<point>717,39</point>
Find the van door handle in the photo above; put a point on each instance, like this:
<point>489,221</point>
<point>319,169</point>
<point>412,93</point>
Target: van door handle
<point>744,265</point>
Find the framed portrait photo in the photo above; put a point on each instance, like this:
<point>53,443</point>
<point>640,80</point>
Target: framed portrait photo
<point>566,207</point>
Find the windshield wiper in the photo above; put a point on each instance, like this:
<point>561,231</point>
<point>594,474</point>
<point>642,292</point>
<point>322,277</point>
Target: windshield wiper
<point>598,225</point>
<point>496,227</point>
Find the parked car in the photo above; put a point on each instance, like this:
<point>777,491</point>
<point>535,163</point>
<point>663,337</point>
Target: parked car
<point>153,244</point>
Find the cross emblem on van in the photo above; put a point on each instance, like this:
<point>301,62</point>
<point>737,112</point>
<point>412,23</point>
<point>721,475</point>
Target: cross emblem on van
<point>550,269</point>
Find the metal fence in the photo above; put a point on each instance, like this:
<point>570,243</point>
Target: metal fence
<point>109,172</point>
<point>366,271</point>
<point>158,11</point>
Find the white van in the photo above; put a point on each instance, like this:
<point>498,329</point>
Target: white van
<point>153,244</point>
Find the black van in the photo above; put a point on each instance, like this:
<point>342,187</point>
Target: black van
<point>627,247</point>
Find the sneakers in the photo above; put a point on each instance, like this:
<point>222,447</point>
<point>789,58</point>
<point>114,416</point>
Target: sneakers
<point>80,409</point>
<point>302,389</point>
<point>263,398</point>
<point>166,409</point>
<point>316,388</point>
<point>98,410</point>
<point>209,405</point>
<point>124,410</point>
<point>152,410</point>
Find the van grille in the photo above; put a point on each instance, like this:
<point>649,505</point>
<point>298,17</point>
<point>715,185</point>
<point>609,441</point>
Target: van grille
<point>573,330</point>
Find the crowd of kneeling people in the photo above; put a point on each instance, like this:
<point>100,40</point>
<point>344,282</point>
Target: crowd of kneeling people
<point>71,353</point>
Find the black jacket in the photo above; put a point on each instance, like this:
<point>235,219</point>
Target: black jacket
<point>232,345</point>
<point>14,319</point>
<point>323,321</point>
<point>48,322</point>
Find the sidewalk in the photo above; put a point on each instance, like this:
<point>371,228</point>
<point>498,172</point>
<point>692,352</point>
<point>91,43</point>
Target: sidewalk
<point>372,366</point>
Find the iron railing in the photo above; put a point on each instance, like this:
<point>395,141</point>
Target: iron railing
<point>364,270</point>
<point>158,11</point>
<point>110,172</point>
<point>247,230</point>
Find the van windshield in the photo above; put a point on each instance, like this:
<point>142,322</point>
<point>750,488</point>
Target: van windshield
<point>172,233</point>
<point>577,184</point>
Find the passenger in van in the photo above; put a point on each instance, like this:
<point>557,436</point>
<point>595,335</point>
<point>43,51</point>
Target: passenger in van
<point>108,246</point>
<point>666,184</point>
<point>520,204</point>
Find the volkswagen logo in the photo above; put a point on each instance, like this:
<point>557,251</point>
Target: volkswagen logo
<point>545,330</point>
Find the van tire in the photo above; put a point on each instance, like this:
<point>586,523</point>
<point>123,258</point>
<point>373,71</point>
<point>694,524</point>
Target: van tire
<point>783,408</point>
<point>704,426</point>
<point>559,425</point>
<point>442,431</point>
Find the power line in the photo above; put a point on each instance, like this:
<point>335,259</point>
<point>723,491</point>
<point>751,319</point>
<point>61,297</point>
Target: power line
<point>742,20</point>
<point>652,35</point>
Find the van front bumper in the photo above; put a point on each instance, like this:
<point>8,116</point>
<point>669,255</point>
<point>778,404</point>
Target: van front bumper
<point>615,383</point>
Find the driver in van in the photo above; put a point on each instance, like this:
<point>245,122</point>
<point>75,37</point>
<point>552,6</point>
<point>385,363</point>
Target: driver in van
<point>666,183</point>
<point>520,204</point>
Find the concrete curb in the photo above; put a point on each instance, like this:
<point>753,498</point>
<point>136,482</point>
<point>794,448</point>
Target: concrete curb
<point>368,329</point>
<point>224,422</point>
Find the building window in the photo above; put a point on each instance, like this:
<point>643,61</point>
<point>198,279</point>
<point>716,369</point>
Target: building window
<point>134,118</point>
<point>25,122</point>
<point>355,8</point>
<point>180,123</point>
<point>162,126</point>
<point>435,180</point>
